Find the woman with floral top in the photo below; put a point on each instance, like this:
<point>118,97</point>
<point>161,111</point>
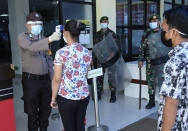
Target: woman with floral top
<point>70,87</point>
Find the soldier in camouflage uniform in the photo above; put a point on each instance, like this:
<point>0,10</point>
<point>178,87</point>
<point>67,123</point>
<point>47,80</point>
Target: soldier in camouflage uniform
<point>100,35</point>
<point>156,54</point>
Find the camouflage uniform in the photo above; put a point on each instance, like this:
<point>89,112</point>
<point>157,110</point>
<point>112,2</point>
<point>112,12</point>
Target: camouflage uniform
<point>100,35</point>
<point>156,54</point>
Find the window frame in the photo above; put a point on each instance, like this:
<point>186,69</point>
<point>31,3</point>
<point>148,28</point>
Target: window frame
<point>92,3</point>
<point>173,3</point>
<point>130,27</point>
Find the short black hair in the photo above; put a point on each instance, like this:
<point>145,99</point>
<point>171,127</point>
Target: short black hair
<point>74,27</point>
<point>178,18</point>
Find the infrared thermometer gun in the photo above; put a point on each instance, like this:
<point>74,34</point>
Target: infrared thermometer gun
<point>59,28</point>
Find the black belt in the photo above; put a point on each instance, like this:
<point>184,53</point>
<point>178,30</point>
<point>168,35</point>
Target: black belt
<point>160,60</point>
<point>26,75</point>
<point>111,61</point>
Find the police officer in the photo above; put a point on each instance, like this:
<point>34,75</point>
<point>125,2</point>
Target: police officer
<point>36,68</point>
<point>156,54</point>
<point>100,35</point>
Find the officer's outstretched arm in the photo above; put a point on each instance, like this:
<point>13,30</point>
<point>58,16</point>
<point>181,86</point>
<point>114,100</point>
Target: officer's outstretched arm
<point>41,45</point>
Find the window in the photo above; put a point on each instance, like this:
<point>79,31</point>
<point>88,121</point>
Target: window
<point>132,19</point>
<point>85,13</point>
<point>173,3</point>
<point>56,12</point>
<point>5,45</point>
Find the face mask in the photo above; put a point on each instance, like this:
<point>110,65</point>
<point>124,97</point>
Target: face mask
<point>36,29</point>
<point>181,32</point>
<point>65,39</point>
<point>167,43</point>
<point>153,25</point>
<point>104,25</point>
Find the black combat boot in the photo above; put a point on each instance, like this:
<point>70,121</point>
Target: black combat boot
<point>113,96</point>
<point>99,95</point>
<point>151,102</point>
<point>43,128</point>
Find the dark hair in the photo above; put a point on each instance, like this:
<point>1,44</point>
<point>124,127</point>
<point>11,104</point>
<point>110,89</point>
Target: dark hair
<point>74,27</point>
<point>178,18</point>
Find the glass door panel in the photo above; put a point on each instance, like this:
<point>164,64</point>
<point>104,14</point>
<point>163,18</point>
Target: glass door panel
<point>122,41</point>
<point>136,41</point>
<point>121,12</point>
<point>72,11</point>
<point>137,12</point>
<point>151,9</point>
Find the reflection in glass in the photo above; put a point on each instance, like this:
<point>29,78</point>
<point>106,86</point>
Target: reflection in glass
<point>168,1</point>
<point>186,2</point>
<point>49,12</point>
<point>137,12</point>
<point>167,6</point>
<point>178,1</point>
<point>122,40</point>
<point>72,11</point>
<point>136,41</point>
<point>82,0</point>
<point>121,12</point>
<point>151,9</point>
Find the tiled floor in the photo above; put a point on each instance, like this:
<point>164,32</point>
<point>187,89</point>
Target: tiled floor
<point>115,115</point>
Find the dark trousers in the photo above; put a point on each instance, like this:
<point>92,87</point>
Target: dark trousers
<point>72,113</point>
<point>37,97</point>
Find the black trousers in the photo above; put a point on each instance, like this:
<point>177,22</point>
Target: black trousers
<point>73,113</point>
<point>37,97</point>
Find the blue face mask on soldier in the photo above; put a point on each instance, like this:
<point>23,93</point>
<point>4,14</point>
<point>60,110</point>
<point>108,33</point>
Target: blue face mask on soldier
<point>153,25</point>
<point>104,25</point>
<point>36,29</point>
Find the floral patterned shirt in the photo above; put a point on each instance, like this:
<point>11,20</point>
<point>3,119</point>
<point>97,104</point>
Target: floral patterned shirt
<point>175,86</point>
<point>75,60</point>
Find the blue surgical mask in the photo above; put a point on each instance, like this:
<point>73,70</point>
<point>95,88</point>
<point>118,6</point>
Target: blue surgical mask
<point>153,25</point>
<point>36,29</point>
<point>104,25</point>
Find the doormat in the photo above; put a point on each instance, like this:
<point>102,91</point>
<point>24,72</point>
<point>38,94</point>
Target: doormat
<point>145,124</point>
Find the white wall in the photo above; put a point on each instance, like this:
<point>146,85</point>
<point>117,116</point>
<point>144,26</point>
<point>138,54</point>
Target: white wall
<point>161,8</point>
<point>18,10</point>
<point>106,8</point>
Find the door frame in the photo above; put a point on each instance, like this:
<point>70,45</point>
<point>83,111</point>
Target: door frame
<point>93,6</point>
<point>130,27</point>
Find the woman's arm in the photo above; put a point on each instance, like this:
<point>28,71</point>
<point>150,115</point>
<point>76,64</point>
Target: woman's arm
<point>56,83</point>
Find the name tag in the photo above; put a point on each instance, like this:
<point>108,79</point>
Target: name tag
<point>95,73</point>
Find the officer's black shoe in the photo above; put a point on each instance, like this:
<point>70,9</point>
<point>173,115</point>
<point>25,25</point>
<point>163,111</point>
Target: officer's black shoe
<point>43,128</point>
<point>113,99</point>
<point>151,103</point>
<point>99,95</point>
<point>113,96</point>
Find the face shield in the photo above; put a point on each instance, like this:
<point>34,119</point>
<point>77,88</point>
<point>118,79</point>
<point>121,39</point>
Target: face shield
<point>36,27</point>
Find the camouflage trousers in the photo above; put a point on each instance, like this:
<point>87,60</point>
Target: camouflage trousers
<point>154,77</point>
<point>100,81</point>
